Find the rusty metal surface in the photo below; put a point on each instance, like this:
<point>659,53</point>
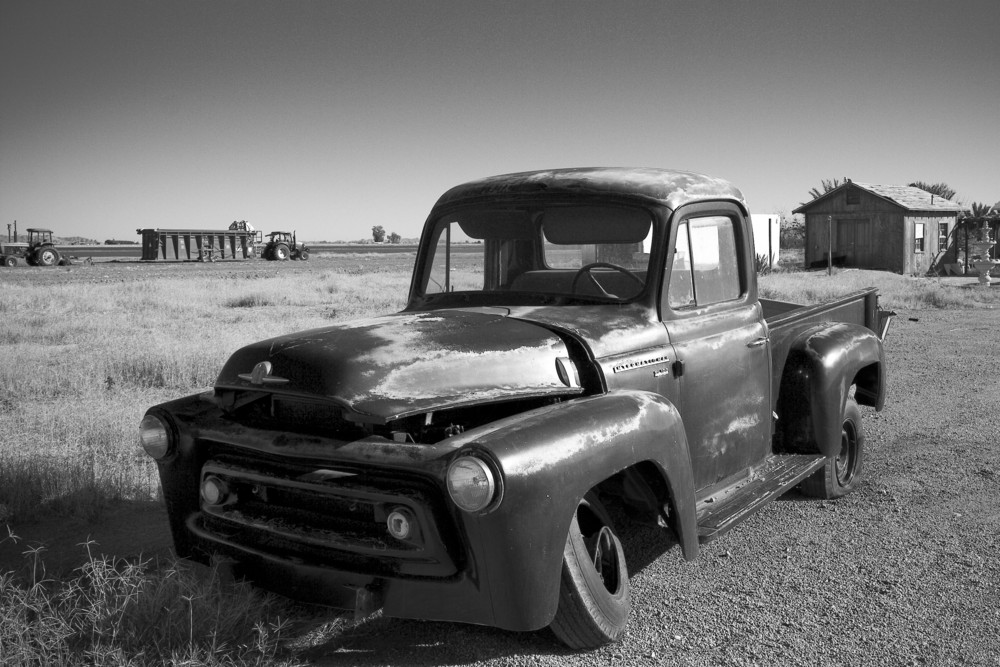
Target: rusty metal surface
<point>668,187</point>
<point>398,365</point>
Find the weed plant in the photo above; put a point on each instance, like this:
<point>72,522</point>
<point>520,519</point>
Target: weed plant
<point>121,613</point>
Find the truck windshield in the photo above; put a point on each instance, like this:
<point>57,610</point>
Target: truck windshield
<point>598,252</point>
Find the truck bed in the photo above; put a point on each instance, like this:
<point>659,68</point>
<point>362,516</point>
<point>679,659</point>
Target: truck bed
<point>859,307</point>
<point>786,320</point>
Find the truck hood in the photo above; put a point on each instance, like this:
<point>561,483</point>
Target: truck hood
<point>408,363</point>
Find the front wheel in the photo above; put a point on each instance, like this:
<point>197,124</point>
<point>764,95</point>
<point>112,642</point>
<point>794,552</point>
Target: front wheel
<point>841,474</point>
<point>594,592</point>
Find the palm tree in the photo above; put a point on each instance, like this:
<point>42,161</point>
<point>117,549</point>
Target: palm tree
<point>815,193</point>
<point>940,189</point>
<point>979,209</point>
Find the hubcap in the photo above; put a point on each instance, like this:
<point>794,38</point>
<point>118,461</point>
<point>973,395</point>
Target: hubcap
<point>848,451</point>
<point>604,554</point>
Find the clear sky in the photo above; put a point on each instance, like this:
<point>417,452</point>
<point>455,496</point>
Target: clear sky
<point>330,117</point>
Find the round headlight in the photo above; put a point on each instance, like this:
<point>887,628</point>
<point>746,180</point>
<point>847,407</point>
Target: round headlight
<point>154,437</point>
<point>471,484</point>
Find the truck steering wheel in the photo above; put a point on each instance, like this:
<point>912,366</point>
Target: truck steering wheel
<point>606,265</point>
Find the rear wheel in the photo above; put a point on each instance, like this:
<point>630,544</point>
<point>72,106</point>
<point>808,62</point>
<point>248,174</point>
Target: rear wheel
<point>280,252</point>
<point>47,257</point>
<point>594,592</point>
<point>841,473</point>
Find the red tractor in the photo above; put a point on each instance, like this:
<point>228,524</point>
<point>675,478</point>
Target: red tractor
<point>282,245</point>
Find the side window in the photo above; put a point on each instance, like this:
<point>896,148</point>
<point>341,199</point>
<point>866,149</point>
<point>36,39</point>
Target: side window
<point>457,263</point>
<point>681,293</point>
<point>942,235</point>
<point>705,267</point>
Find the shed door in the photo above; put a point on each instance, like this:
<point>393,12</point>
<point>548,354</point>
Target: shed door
<point>854,240</point>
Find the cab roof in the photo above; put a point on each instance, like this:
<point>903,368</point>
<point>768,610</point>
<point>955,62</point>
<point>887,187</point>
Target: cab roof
<point>670,187</point>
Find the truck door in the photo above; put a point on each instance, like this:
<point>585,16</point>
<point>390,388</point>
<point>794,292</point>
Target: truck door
<point>721,377</point>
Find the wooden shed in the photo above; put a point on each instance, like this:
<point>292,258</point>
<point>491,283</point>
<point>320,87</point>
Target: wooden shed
<point>887,227</point>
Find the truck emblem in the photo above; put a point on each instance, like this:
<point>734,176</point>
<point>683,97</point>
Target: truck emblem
<point>261,375</point>
<point>324,475</point>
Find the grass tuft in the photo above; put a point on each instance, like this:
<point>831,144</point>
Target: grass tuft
<point>249,301</point>
<point>121,613</point>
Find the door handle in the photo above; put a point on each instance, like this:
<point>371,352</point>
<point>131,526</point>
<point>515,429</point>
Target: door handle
<point>758,342</point>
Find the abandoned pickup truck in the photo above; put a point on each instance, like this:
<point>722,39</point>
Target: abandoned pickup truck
<point>580,347</point>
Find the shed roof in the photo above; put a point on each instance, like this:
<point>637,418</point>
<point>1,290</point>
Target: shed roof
<point>905,196</point>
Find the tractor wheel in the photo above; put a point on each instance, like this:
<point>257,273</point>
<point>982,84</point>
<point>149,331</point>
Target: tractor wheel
<point>303,255</point>
<point>30,260</point>
<point>594,593</point>
<point>47,256</point>
<point>281,252</point>
<point>10,261</point>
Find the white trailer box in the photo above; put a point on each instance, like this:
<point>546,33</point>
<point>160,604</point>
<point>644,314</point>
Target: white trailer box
<point>766,236</point>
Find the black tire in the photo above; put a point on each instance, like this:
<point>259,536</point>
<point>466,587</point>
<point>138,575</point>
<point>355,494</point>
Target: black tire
<point>10,261</point>
<point>280,252</point>
<point>46,256</point>
<point>304,255</point>
<point>842,473</point>
<point>594,595</point>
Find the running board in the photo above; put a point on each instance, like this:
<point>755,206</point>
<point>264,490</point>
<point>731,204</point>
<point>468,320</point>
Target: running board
<point>720,513</point>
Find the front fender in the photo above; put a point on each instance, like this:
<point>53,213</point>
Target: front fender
<point>550,459</point>
<point>822,364</point>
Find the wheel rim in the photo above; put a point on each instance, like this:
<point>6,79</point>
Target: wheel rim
<point>602,548</point>
<point>846,462</point>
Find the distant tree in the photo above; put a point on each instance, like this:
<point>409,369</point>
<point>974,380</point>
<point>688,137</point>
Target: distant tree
<point>394,238</point>
<point>793,231</point>
<point>939,189</point>
<point>816,193</point>
<point>979,209</point>
<point>378,233</point>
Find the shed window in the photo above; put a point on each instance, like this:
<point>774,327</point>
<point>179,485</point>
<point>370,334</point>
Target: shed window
<point>942,235</point>
<point>918,237</point>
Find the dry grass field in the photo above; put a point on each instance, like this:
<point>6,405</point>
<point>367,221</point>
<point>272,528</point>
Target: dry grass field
<point>87,349</point>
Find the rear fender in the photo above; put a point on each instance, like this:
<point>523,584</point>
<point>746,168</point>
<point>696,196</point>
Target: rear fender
<point>550,459</point>
<point>823,363</point>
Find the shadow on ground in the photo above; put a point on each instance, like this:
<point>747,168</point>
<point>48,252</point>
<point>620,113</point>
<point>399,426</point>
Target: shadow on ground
<point>126,530</point>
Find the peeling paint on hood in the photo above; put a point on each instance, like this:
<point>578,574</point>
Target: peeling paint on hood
<point>408,363</point>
